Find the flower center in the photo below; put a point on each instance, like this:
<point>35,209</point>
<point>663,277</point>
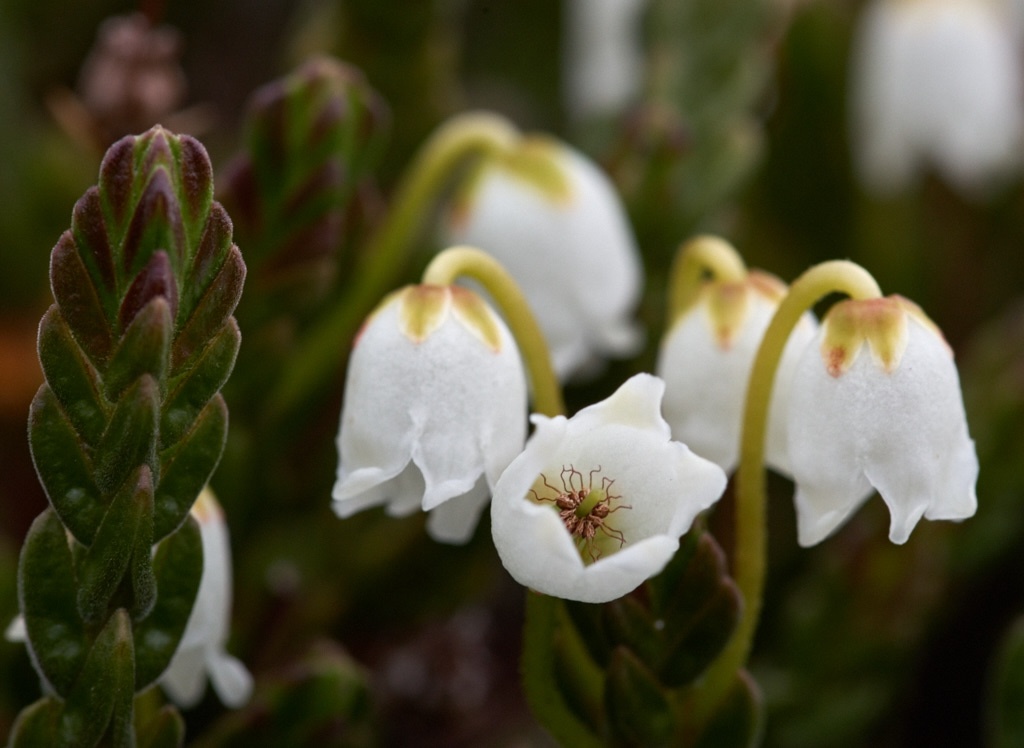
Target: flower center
<point>583,509</point>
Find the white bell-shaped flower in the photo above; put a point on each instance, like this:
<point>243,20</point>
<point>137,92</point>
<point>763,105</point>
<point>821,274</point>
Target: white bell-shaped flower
<point>706,358</point>
<point>876,404</point>
<point>596,504</point>
<point>435,408</point>
<point>555,222</point>
<point>936,82</point>
<point>202,652</point>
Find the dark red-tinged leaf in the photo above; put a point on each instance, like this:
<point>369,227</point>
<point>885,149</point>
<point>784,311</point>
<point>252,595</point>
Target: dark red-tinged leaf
<point>631,624</point>
<point>212,310</point>
<point>124,537</point>
<point>190,392</point>
<point>46,597</point>
<point>698,606</point>
<point>63,467</point>
<point>81,307</point>
<point>187,466</point>
<point>638,709</point>
<point>694,642</point>
<point>100,703</point>
<point>115,184</point>
<point>166,729</point>
<point>145,348</point>
<point>36,725</point>
<point>738,721</point>
<point>155,280</point>
<point>155,224</point>
<point>196,186</point>
<point>540,681</point>
<point>90,233</point>
<point>178,567</point>
<point>72,378</point>
<point>213,249</point>
<point>131,438</point>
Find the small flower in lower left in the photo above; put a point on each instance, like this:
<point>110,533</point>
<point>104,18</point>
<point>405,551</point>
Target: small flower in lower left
<point>201,651</point>
<point>596,504</point>
<point>435,409</point>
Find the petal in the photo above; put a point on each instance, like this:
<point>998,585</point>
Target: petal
<point>16,631</point>
<point>230,678</point>
<point>185,678</point>
<point>455,520</point>
<point>820,510</point>
<point>637,403</point>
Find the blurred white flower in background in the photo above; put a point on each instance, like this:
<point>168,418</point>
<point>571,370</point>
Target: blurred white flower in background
<point>603,59</point>
<point>554,220</point>
<point>936,83</point>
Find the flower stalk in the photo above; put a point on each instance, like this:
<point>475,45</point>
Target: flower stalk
<point>750,555</point>
<point>701,255</point>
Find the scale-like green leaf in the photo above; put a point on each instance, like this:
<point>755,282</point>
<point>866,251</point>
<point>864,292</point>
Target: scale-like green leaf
<point>144,348</point>
<point>738,721</point>
<point>186,467</point>
<point>47,599</point>
<point>64,468</point>
<point>100,703</point>
<point>130,439</point>
<point>72,378</point>
<point>178,567</point>
<point>189,393</point>
<point>166,729</point>
<point>637,705</point>
<point>36,725</point>
<point>124,537</point>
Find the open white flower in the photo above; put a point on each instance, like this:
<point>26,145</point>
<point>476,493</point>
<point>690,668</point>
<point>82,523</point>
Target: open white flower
<point>939,82</point>
<point>706,358</point>
<point>597,503</point>
<point>202,649</point>
<point>435,406</point>
<point>555,222</point>
<point>876,404</point>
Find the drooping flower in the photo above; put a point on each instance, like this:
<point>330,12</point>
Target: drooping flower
<point>876,404</point>
<point>597,503</point>
<point>202,652</point>
<point>603,58</point>
<point>706,358</point>
<point>936,82</point>
<point>555,222</point>
<point>435,405</point>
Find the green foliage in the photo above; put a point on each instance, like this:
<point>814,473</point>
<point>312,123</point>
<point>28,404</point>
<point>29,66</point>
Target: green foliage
<point>141,334</point>
<point>628,672</point>
<point>1006,703</point>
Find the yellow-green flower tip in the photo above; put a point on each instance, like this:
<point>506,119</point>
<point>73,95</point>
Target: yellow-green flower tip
<point>536,161</point>
<point>476,316</point>
<point>880,324</point>
<point>422,309</point>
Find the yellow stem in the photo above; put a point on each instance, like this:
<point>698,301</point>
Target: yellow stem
<point>697,256</point>
<point>451,148</point>
<point>750,555</point>
<point>472,263</point>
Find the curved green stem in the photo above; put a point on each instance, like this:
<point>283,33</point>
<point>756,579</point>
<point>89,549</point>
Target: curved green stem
<point>472,263</point>
<point>697,256</point>
<point>750,555</point>
<point>446,153</point>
